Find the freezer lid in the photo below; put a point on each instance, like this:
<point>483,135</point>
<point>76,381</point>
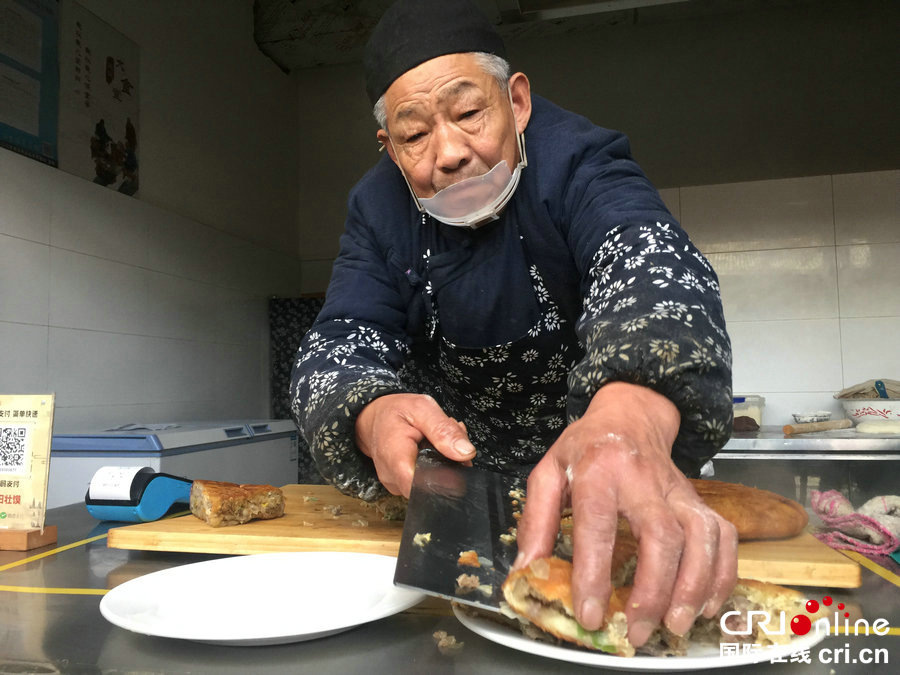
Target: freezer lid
<point>271,427</point>
<point>153,438</point>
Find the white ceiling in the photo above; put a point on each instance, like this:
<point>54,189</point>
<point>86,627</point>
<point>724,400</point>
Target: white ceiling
<point>308,33</point>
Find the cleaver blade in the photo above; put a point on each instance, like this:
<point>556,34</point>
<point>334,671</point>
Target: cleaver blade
<point>462,508</point>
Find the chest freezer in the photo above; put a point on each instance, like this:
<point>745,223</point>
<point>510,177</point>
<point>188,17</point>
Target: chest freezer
<point>242,451</point>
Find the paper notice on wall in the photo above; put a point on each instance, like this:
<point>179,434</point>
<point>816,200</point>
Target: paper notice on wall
<point>29,78</point>
<point>26,429</point>
<point>98,101</point>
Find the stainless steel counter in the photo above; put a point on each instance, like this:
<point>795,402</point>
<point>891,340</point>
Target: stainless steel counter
<point>860,466</point>
<point>50,623</point>
<point>847,442</point>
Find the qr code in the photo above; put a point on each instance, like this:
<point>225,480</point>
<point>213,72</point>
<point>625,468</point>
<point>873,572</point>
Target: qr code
<point>12,449</point>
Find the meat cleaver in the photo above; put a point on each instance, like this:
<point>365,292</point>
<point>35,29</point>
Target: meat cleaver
<point>455,508</point>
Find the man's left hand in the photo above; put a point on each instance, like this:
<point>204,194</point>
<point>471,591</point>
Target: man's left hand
<point>616,460</point>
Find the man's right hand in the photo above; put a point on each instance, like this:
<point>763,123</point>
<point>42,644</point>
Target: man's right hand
<point>391,428</point>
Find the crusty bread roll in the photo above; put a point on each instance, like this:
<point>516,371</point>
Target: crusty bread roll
<point>541,593</point>
<point>219,503</point>
<point>755,513</point>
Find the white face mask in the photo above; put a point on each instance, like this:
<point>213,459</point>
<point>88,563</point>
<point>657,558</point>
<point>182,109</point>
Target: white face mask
<point>476,200</point>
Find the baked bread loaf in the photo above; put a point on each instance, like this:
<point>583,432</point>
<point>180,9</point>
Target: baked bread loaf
<point>219,503</point>
<point>541,594</point>
<point>755,513</point>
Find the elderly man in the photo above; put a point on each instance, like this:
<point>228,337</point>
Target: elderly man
<point>512,291</point>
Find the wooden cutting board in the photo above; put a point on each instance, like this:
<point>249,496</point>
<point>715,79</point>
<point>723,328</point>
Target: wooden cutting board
<point>799,561</point>
<point>310,525</point>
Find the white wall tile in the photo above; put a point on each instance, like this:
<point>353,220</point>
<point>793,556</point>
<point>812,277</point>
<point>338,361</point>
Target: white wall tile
<point>94,368</point>
<point>240,316</point>
<point>184,411</point>
<point>869,349</point>
<point>182,309</point>
<point>770,214</point>
<point>23,359</point>
<point>867,207</point>
<point>241,378</point>
<point>798,283</point>
<point>82,419</point>
<point>24,280</point>
<point>97,294</point>
<point>869,280</point>
<point>284,277</point>
<point>265,272</point>
<point>23,194</point>
<point>315,275</point>
<point>185,248</point>
<point>94,220</point>
<point>786,356</point>
<point>183,371</point>
<point>672,199</point>
<point>236,270</point>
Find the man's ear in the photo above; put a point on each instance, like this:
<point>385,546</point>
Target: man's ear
<point>385,141</point>
<point>520,92</point>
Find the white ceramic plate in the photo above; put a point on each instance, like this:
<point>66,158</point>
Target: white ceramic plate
<point>269,598</point>
<point>699,657</point>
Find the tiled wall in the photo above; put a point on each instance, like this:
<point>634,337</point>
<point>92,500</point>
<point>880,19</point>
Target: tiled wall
<point>128,312</point>
<point>810,277</point>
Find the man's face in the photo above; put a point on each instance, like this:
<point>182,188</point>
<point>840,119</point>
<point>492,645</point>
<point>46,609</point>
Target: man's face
<point>448,120</point>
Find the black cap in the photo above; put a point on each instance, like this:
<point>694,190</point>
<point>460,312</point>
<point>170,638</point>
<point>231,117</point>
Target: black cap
<point>414,31</point>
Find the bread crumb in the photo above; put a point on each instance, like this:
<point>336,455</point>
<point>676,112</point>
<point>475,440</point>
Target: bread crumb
<point>446,643</point>
<point>517,494</point>
<point>469,559</point>
<point>421,539</point>
<point>466,583</point>
<point>306,523</point>
<point>509,538</point>
<point>309,498</point>
<point>486,590</point>
<point>335,509</point>
<point>392,507</point>
<point>360,522</point>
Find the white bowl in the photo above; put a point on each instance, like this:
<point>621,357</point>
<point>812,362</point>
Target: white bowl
<point>872,409</point>
<point>818,416</point>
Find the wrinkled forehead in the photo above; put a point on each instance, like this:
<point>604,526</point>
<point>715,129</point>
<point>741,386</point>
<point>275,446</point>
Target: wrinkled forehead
<point>439,83</point>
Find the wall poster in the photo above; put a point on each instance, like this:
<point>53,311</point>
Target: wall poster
<point>29,78</point>
<point>98,118</point>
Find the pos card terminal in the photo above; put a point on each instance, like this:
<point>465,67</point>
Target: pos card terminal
<point>134,494</point>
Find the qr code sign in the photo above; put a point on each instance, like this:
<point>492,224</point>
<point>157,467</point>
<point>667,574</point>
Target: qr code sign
<point>12,449</point>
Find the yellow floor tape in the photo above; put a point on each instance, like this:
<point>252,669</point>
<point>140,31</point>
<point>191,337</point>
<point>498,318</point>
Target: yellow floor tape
<point>872,566</point>
<point>61,591</point>
<point>60,549</point>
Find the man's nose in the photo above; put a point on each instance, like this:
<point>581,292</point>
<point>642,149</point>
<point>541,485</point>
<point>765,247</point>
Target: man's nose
<point>451,148</point>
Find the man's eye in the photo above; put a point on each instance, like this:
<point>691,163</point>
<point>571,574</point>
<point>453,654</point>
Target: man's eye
<point>415,137</point>
<point>468,113</point>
